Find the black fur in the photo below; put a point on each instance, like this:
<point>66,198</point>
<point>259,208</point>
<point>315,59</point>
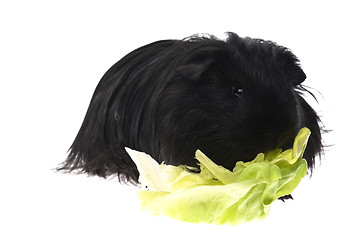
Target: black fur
<point>231,99</point>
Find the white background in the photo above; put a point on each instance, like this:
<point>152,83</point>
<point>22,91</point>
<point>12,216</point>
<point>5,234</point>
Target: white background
<point>52,55</point>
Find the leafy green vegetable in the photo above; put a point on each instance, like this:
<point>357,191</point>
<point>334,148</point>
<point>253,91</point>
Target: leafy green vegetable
<point>217,195</point>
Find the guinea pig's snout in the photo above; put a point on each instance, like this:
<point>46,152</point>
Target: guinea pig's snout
<point>282,140</point>
<point>275,124</point>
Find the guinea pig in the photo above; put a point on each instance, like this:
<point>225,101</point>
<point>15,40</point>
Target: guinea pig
<point>232,99</point>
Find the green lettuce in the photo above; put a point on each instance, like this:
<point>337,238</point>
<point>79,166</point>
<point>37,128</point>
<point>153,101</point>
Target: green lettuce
<point>216,194</point>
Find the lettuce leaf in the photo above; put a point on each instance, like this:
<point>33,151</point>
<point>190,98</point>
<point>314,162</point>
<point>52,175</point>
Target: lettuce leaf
<point>216,194</point>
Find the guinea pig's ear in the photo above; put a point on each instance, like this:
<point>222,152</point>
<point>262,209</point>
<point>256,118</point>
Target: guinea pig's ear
<point>297,76</point>
<point>194,71</point>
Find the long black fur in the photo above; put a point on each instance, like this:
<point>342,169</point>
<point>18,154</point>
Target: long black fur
<point>231,99</point>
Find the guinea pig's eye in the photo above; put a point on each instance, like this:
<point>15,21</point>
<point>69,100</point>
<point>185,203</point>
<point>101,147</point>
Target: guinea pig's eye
<point>237,91</point>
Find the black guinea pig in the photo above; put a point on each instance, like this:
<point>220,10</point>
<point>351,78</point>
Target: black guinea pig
<point>231,99</point>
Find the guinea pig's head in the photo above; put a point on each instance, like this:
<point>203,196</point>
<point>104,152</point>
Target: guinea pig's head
<point>233,100</point>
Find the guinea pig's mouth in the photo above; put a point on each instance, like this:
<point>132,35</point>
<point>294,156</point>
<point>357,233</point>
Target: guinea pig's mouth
<point>228,153</point>
<point>228,157</point>
<point>272,142</point>
<point>248,152</point>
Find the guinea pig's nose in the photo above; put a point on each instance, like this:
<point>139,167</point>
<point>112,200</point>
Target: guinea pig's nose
<point>283,140</point>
